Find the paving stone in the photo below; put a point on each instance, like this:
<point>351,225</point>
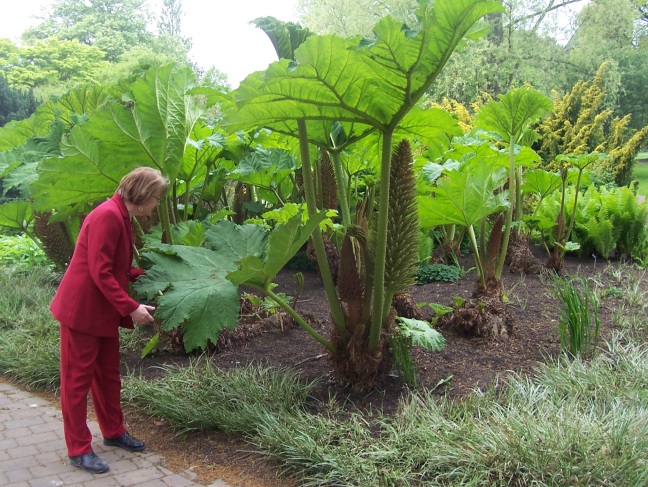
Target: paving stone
<point>23,451</point>
<point>16,432</point>
<point>47,482</point>
<point>41,471</point>
<point>37,438</point>
<point>33,452</point>
<point>17,463</point>
<point>8,444</point>
<point>140,476</point>
<point>175,480</point>
<point>54,445</point>
<point>45,427</point>
<point>23,422</point>
<point>17,475</point>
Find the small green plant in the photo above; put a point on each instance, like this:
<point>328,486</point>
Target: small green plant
<point>411,332</point>
<point>579,319</point>
<point>428,273</point>
<point>23,251</point>
<point>608,223</point>
<point>266,303</point>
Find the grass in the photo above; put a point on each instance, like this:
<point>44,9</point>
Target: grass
<point>579,322</point>
<point>631,308</point>
<point>29,349</point>
<point>640,173</point>
<point>575,422</point>
<point>198,396</point>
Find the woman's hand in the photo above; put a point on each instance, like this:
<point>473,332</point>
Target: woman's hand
<point>143,314</point>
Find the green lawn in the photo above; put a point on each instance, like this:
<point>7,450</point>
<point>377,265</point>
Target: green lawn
<point>641,173</point>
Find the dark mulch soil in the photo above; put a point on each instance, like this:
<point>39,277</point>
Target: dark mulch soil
<point>464,365</point>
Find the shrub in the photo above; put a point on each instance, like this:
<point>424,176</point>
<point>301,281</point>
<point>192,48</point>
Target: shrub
<point>438,272</point>
<point>22,251</point>
<point>608,222</point>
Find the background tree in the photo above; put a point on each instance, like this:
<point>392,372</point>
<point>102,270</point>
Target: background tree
<point>66,48</point>
<point>580,123</point>
<point>615,32</point>
<point>548,44</point>
<point>15,104</point>
<point>351,18</point>
<point>169,26</point>
<point>113,26</point>
<point>53,61</point>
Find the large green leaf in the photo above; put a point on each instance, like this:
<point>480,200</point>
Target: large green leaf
<point>465,196</point>
<point>15,214</point>
<point>82,100</point>
<point>265,167</point>
<point>512,114</point>
<point>363,85</point>
<point>149,126</point>
<point>235,242</point>
<point>24,144</point>
<point>188,232</point>
<point>283,243</point>
<point>194,292</point>
<point>541,182</point>
<point>189,283</point>
<point>433,127</point>
<point>204,146</point>
<point>20,178</point>
<point>285,36</point>
<point>87,172</point>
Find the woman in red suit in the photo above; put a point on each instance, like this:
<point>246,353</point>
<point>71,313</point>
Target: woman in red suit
<point>91,304</point>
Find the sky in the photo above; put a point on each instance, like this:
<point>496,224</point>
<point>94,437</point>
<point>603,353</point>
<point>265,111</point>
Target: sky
<point>219,29</point>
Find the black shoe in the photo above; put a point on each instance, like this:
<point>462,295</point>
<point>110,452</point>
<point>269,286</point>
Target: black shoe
<point>89,462</point>
<point>125,441</point>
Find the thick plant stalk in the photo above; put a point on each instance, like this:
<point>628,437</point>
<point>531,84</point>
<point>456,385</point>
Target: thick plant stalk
<point>381,244</point>
<point>342,189</point>
<point>519,201</point>
<point>163,212</point>
<point>478,260</point>
<point>318,241</point>
<point>509,213</point>
<point>574,207</point>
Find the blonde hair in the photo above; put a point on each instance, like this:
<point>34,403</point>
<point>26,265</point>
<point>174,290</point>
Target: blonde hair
<point>141,184</point>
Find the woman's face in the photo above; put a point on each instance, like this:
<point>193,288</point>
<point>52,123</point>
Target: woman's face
<point>148,206</point>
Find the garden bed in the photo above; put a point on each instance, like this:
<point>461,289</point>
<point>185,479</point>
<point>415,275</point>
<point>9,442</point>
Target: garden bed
<point>464,365</point>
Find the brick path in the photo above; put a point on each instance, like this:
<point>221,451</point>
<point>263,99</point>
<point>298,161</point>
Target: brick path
<point>33,452</point>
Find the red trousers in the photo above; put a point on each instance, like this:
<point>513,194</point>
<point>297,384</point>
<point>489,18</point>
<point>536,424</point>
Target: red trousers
<point>89,363</point>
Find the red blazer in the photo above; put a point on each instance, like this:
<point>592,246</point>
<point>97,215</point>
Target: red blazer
<point>92,297</point>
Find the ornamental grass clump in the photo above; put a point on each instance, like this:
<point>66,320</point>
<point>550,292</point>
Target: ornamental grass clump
<point>576,423</point>
<point>199,396</point>
<point>579,319</point>
<point>29,348</point>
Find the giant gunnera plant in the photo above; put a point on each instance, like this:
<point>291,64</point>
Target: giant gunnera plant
<point>334,93</point>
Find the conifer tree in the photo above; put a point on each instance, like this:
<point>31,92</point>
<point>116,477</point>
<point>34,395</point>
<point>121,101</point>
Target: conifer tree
<point>580,124</point>
<point>15,104</point>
